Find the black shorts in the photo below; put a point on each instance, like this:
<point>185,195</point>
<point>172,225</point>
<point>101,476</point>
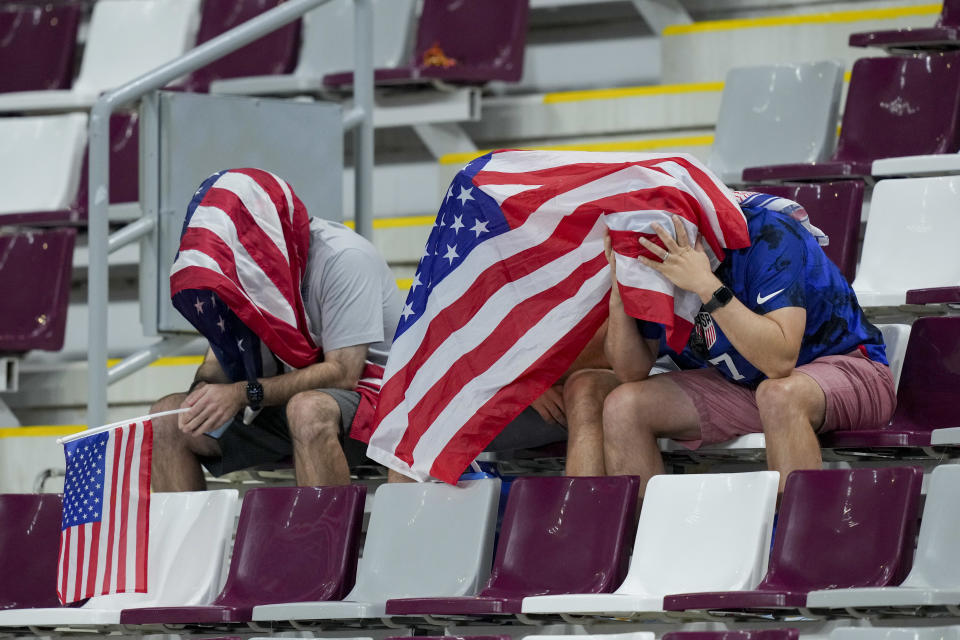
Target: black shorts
<point>266,440</point>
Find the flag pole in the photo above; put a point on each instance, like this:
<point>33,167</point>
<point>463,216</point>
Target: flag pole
<point>113,425</point>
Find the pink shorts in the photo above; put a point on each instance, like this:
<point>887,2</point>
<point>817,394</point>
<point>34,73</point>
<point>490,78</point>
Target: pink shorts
<point>859,394</point>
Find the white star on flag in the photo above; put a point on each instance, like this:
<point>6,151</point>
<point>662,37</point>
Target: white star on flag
<point>451,253</point>
<point>479,227</point>
<point>457,224</point>
<point>199,306</point>
<point>465,195</point>
<point>407,310</point>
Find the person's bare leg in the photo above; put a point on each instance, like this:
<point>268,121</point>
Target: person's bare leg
<point>314,420</point>
<point>396,476</point>
<point>175,464</point>
<point>635,414</point>
<point>791,410</point>
<point>583,395</point>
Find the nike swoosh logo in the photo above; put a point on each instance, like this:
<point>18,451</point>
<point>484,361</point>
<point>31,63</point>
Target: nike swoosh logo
<point>762,299</point>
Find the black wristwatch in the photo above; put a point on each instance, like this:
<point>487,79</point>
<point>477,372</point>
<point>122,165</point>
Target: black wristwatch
<point>720,298</point>
<point>254,395</point>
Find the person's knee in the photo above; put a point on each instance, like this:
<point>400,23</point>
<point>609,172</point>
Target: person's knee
<point>166,428</point>
<point>623,412</point>
<point>313,415</point>
<point>587,385</point>
<point>788,397</point>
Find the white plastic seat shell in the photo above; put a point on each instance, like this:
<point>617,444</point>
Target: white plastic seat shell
<point>327,47</point>
<point>423,540</point>
<point>697,532</point>
<point>895,633</point>
<point>125,39</point>
<point>910,242</point>
<point>776,114</point>
<point>40,160</point>
<point>934,579</point>
<point>189,532</point>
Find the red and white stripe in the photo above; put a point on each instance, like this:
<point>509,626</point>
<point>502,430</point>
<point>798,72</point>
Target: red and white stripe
<point>249,241</point>
<point>513,316</point>
<point>110,556</point>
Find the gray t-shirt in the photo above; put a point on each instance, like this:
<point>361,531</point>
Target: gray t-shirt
<point>349,293</point>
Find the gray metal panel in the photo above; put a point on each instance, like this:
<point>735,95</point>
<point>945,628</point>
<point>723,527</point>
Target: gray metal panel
<point>301,142</point>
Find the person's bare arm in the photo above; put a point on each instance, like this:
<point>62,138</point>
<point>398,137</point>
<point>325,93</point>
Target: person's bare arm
<point>770,342</point>
<point>212,405</point>
<point>209,370</point>
<point>630,355</point>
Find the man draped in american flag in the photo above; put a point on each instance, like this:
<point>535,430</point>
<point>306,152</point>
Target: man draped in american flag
<point>299,313</point>
<point>106,512</point>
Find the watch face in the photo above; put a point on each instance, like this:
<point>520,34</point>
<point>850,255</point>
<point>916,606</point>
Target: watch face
<point>254,392</point>
<point>723,294</point>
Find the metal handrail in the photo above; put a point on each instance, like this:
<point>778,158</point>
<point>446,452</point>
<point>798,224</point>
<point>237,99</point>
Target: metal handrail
<point>100,245</point>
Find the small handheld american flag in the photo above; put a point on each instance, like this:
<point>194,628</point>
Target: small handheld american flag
<point>106,512</point>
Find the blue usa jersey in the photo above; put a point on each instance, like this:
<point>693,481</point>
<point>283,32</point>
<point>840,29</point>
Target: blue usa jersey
<point>783,267</point>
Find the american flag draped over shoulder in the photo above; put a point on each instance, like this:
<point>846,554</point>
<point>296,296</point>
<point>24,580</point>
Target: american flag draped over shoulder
<point>243,255</point>
<point>513,284</point>
<point>106,513</point>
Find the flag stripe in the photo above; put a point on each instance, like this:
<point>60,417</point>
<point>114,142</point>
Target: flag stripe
<point>142,541</point>
<point>94,547</point>
<point>81,549</point>
<point>62,567</point>
<point>124,501</point>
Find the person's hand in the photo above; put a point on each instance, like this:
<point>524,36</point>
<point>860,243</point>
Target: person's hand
<point>550,407</point>
<point>685,266</point>
<point>612,261</point>
<point>210,406</point>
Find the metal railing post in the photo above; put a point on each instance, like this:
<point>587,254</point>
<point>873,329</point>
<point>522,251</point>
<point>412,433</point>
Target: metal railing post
<point>363,133</point>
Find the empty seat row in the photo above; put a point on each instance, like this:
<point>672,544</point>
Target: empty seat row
<point>702,543</point>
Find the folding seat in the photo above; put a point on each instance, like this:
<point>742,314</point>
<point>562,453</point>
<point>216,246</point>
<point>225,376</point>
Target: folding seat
<point>559,535</point>
<point>928,394</point>
<point>505,637</point>
<point>910,241</point>
<point>461,43</point>
<point>944,34</point>
<point>774,115</point>
<point>44,168</point>
<point>273,54</point>
<point>292,543</point>
<point>895,338</point>
<point>37,45</point>
<point>125,39</point>
<point>326,45</point>
<point>697,532</point>
<point>188,537</point>
<point>752,634</point>
<point>835,208</point>
<point>935,577</point>
<point>895,107</point>
<point>29,544</point>
<point>424,539</point>
<point>895,633</point>
<point>837,528</point>
<point>35,288</point>
<point>635,635</point>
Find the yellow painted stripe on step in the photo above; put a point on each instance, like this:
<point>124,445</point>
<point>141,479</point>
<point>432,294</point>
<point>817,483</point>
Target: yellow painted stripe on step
<point>404,283</point>
<point>171,361</point>
<point>621,145</point>
<point>394,222</point>
<point>630,92</point>
<point>46,431</point>
<point>889,13</point>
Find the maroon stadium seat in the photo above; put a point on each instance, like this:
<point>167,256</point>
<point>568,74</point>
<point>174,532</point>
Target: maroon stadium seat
<point>837,528</point>
<point>293,544</point>
<point>945,34</point>
<point>29,543</point>
<point>559,535</point>
<point>895,107</point>
<point>460,42</point>
<point>37,45</point>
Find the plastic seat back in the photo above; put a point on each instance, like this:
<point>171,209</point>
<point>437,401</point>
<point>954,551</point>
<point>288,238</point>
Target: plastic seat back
<point>482,35</point>
<point>950,14</point>
<point>752,634</point>
<point>895,338</point>
<point>937,562</point>
<point>929,391</point>
<point>428,539</point>
<point>37,45</point>
<point>843,528</point>
<point>273,54</point>
<point>29,544</point>
<point>40,160</point>
<point>775,115</point>
<point>564,535</point>
<point>328,36</point>
<point>910,241</point>
<point>127,38</point>
<point>189,533</point>
<point>901,106</point>
<point>895,633</point>
<point>834,207</point>
<point>35,288</point>
<point>703,532</point>
<point>295,544</point>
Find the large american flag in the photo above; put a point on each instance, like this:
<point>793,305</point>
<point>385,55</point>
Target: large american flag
<point>243,256</point>
<point>106,513</point>
<point>513,284</point>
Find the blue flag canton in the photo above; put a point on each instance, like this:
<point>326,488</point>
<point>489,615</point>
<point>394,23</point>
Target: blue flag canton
<point>467,218</point>
<point>83,486</point>
<point>237,347</point>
